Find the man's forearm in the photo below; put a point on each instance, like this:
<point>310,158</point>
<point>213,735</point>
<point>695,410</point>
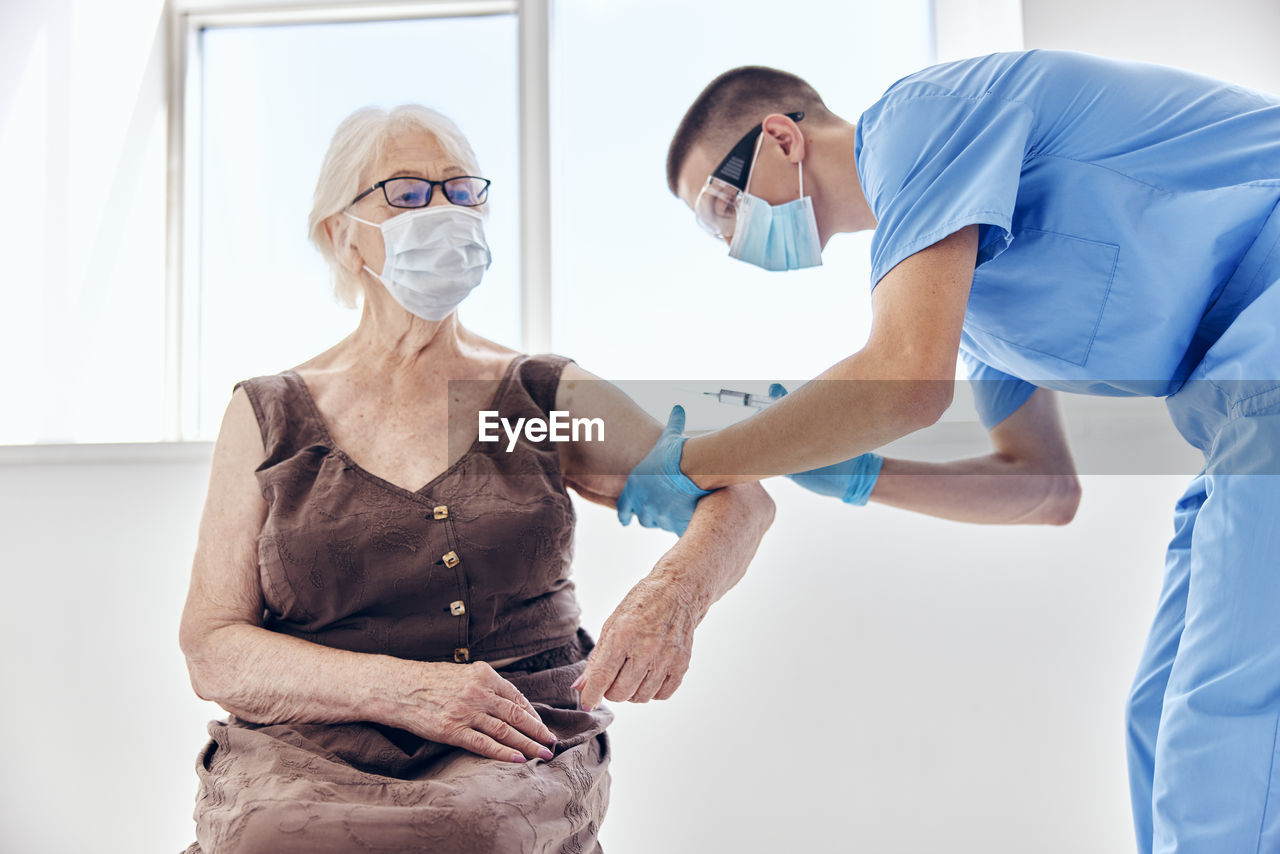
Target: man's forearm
<point>991,489</point>
<point>900,382</point>
<point>832,418</point>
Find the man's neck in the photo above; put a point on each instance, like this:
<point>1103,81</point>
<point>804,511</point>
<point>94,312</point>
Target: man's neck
<point>840,200</point>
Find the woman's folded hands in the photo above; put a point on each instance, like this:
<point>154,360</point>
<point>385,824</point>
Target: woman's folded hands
<point>469,706</point>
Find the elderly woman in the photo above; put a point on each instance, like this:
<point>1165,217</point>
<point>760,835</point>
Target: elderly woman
<point>380,599</point>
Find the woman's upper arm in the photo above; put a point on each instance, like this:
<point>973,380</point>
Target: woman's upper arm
<point>598,469</point>
<point>225,586</point>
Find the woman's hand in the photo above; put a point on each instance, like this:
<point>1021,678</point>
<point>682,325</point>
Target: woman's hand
<point>469,706</point>
<point>645,645</point>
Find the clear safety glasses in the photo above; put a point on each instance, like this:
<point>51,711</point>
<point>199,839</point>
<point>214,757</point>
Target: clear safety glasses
<point>716,207</point>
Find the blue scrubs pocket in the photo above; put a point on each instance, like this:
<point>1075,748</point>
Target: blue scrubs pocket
<point>1045,294</point>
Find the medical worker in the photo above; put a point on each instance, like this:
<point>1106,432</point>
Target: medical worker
<point>1060,222</point>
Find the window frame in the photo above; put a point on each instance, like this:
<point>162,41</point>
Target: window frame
<point>188,20</point>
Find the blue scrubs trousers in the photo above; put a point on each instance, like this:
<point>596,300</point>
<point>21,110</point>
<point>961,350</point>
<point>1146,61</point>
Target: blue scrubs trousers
<point>1203,718</point>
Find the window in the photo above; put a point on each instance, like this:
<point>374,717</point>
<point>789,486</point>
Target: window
<point>111,345</point>
<point>639,290</point>
<point>271,99</point>
<point>640,294</point>
<point>634,282</point>
<point>82,139</point>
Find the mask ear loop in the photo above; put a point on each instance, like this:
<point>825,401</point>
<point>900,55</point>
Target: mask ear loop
<point>363,266</point>
<point>752,169</point>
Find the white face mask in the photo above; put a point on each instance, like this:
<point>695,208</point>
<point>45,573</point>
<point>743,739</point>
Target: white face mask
<point>435,256</point>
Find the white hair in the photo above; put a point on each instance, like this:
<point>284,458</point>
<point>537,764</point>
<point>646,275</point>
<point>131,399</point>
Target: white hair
<point>356,144</point>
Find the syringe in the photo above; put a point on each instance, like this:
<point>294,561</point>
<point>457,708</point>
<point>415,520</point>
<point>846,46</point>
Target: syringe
<point>741,398</point>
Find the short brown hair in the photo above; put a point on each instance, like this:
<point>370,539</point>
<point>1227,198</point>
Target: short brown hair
<point>732,103</point>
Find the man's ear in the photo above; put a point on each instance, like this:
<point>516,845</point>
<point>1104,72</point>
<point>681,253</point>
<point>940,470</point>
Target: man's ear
<point>786,134</point>
<point>339,230</point>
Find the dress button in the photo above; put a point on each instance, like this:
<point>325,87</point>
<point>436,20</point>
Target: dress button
<point>440,511</point>
<point>450,558</point>
<point>461,655</point>
<point>457,608</point>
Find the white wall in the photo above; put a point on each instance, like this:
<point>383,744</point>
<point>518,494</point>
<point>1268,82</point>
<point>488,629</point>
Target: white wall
<point>101,726</point>
<point>878,681</point>
<point>1231,39</point>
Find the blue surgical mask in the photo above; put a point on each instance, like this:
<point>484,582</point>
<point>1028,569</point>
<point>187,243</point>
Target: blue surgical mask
<point>777,237</point>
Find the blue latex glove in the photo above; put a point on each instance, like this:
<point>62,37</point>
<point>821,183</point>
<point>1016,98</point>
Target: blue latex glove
<point>851,480</point>
<point>657,492</point>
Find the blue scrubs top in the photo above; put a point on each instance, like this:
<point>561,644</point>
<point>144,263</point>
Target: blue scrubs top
<point>1114,202</point>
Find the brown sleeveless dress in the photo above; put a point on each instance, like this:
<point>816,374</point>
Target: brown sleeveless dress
<point>473,565</point>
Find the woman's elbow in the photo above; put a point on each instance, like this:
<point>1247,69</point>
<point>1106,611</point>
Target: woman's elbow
<point>759,502</point>
<point>753,505</point>
<point>206,669</point>
<point>766,509</point>
<point>193,645</point>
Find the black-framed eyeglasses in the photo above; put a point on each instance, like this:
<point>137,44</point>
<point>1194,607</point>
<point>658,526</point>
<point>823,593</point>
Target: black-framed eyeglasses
<point>404,191</point>
<point>716,207</point>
